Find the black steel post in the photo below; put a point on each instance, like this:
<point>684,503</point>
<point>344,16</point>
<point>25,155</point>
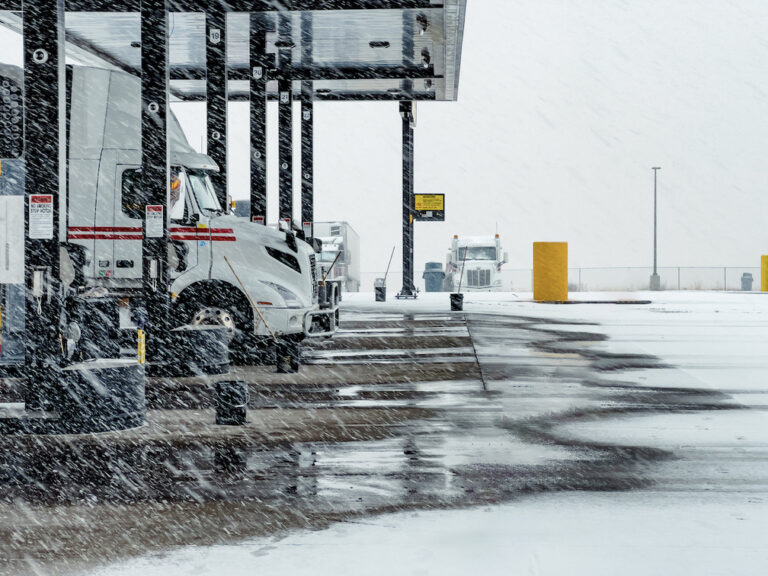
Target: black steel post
<point>655,171</point>
<point>307,130</point>
<point>307,165</point>
<point>155,173</point>
<point>216,95</point>
<point>45,161</point>
<point>258,106</point>
<point>655,278</point>
<point>406,111</point>
<point>285,120</point>
<point>408,118</point>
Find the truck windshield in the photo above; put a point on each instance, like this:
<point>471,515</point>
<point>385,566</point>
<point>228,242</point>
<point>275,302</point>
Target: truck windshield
<point>203,191</point>
<point>478,253</point>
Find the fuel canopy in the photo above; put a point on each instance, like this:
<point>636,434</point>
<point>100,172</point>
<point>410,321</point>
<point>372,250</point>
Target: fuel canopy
<point>351,49</point>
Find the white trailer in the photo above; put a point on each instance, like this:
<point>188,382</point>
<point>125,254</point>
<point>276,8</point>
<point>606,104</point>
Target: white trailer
<point>342,245</point>
<point>104,222</point>
<point>481,259</point>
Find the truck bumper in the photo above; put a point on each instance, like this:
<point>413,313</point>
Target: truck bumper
<point>321,323</point>
<point>309,322</point>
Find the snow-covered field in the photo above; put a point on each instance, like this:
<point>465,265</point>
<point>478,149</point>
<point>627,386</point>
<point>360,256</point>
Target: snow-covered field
<point>706,514</point>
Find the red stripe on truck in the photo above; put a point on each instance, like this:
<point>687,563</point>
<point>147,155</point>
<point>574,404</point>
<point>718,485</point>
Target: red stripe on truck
<point>104,229</point>
<point>94,236</point>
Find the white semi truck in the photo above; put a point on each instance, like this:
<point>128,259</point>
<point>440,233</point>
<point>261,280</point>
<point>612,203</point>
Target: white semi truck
<point>277,271</point>
<point>481,259</point>
<point>341,245</point>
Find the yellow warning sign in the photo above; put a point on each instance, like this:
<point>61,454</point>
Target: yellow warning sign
<point>427,202</point>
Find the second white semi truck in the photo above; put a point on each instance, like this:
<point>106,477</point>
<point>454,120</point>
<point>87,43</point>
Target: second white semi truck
<point>481,259</point>
<point>104,218</point>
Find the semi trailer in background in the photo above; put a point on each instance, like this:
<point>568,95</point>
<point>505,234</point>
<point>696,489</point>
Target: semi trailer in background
<point>480,258</point>
<point>341,245</point>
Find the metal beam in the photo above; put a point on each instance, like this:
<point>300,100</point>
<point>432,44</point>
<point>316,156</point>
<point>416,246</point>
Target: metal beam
<point>45,134</point>
<point>216,97</point>
<point>285,126</point>
<point>308,72</point>
<point>236,5</point>
<point>258,107</point>
<point>307,131</point>
<point>155,173</point>
<point>332,97</point>
<point>296,5</point>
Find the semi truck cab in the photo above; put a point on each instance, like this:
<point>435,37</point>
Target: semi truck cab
<point>475,264</point>
<point>104,221</point>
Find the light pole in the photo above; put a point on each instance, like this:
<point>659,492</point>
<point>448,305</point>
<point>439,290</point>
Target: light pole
<point>655,280</point>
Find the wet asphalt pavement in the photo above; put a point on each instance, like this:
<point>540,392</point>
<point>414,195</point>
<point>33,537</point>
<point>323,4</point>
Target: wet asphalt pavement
<point>397,412</point>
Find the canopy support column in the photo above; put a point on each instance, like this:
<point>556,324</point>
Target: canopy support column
<point>258,105</point>
<point>216,96</point>
<point>155,173</point>
<point>285,122</point>
<point>406,111</point>
<point>307,131</point>
<point>44,111</point>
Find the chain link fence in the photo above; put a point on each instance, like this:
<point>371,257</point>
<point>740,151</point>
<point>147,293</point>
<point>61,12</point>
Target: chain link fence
<point>614,279</point>
<point>628,279</point>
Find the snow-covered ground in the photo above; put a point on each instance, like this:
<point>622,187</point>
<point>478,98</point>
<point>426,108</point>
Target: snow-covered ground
<point>572,534</point>
<point>706,514</point>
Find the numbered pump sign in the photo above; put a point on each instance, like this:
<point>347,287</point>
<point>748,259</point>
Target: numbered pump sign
<point>429,207</point>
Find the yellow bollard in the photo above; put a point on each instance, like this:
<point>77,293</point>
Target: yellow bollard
<point>550,271</point>
<point>763,273</point>
<point>141,353</point>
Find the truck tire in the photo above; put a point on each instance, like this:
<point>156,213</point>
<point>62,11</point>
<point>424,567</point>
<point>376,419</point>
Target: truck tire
<point>240,342</point>
<point>218,304</point>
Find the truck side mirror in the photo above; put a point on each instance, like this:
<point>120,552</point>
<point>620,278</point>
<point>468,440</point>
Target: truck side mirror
<point>506,257</point>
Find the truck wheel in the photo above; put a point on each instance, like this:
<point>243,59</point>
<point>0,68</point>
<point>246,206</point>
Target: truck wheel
<point>211,316</point>
<point>288,356</point>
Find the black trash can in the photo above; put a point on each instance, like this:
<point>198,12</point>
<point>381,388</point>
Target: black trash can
<point>746,282</point>
<point>380,288</point>
<point>231,402</point>
<point>433,277</point>
<point>457,302</point>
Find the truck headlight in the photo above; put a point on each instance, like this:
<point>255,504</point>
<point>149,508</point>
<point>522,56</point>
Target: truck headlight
<point>291,299</point>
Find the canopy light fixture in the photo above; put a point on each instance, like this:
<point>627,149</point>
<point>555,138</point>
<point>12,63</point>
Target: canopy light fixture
<point>426,58</point>
<point>423,22</point>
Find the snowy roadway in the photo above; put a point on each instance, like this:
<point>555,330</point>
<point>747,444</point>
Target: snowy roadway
<point>516,438</point>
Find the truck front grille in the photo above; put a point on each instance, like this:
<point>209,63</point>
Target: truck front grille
<point>478,278</point>
<point>313,267</point>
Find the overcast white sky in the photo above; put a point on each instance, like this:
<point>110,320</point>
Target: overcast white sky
<point>564,106</point>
